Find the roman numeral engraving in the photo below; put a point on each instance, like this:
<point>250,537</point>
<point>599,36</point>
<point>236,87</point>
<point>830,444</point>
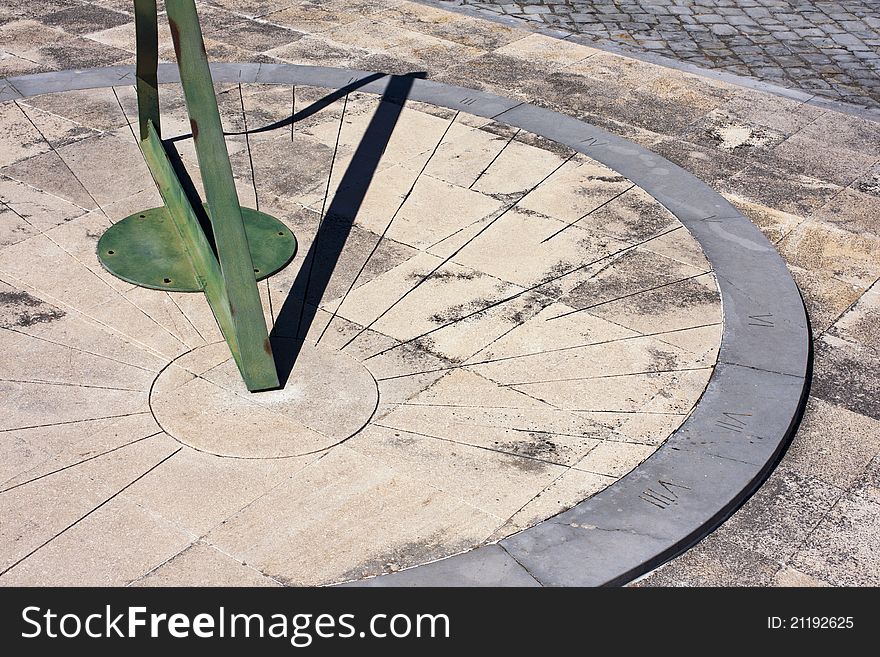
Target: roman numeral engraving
<point>732,421</point>
<point>712,219</point>
<point>468,101</point>
<point>593,141</point>
<point>663,495</point>
<point>762,320</point>
<point>657,499</point>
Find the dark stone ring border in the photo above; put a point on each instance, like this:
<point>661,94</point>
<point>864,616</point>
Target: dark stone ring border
<point>733,437</point>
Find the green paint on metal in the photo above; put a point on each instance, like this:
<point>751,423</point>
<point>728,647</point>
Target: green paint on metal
<point>272,244</point>
<point>146,249</point>
<point>194,242</point>
<point>168,248</point>
<point>255,360</point>
<point>147,37</point>
<point>181,210</point>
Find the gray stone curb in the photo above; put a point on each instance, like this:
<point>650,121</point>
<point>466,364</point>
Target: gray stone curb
<point>735,434</point>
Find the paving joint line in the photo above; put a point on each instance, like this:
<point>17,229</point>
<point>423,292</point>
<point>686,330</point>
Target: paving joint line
<point>755,84</point>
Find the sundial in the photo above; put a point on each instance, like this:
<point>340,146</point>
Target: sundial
<point>327,324</point>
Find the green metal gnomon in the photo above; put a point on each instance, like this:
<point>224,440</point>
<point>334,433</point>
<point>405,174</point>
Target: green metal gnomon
<point>169,248</point>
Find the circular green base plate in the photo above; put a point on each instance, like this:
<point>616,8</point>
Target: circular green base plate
<point>146,249</point>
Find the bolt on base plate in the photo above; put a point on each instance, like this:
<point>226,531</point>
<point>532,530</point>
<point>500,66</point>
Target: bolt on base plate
<point>146,249</point>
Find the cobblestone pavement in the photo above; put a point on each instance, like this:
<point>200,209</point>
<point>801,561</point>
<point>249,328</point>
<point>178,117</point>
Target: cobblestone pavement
<point>830,48</point>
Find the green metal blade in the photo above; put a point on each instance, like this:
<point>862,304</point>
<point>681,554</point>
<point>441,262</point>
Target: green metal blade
<point>255,358</point>
<point>147,36</point>
<point>192,237</point>
<point>168,248</point>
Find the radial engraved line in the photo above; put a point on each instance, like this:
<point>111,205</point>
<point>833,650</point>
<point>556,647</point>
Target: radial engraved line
<point>323,211</point>
<point>69,384</point>
<point>186,317</point>
<point>596,209</point>
<point>475,406</point>
<point>520,408</point>
<point>85,419</point>
<point>292,108</point>
<point>124,115</point>
<point>79,313</point>
<point>71,465</point>
<point>387,228</point>
<point>58,155</point>
<point>627,296</point>
<point>6,205</point>
<point>622,412</point>
<point>530,429</point>
<point>6,176</point>
<point>483,447</point>
<point>455,253</point>
<point>614,436</point>
<point>140,578</point>
<point>549,351</point>
<point>609,376</point>
<point>79,349</point>
<point>497,155</point>
<point>532,288</point>
<point>247,141</point>
<point>494,117</point>
<point>533,430</point>
<point>83,517</point>
<point>95,274</point>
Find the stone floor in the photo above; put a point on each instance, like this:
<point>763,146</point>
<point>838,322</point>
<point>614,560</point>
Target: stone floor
<point>807,176</point>
<point>828,48</point>
<point>491,344</point>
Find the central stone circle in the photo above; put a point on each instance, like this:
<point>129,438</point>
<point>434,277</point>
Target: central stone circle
<point>200,400</point>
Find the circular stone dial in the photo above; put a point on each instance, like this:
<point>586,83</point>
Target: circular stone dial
<point>495,328</point>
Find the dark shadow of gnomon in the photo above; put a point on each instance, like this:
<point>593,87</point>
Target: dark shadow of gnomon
<point>301,305</point>
<point>186,181</point>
